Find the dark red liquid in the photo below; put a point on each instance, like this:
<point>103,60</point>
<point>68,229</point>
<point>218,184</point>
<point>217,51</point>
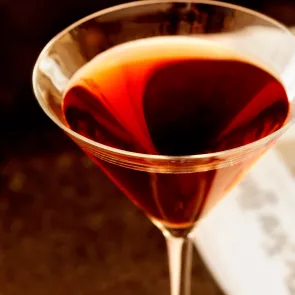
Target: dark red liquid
<point>163,96</point>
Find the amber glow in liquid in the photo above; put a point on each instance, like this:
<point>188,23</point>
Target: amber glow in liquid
<point>174,96</point>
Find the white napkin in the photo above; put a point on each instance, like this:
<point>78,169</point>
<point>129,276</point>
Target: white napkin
<point>248,240</point>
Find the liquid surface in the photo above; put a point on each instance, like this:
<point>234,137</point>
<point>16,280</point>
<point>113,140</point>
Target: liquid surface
<point>174,96</point>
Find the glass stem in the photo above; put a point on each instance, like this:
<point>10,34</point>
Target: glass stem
<point>180,264</point>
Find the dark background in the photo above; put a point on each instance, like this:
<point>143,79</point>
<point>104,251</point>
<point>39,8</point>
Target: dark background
<point>26,26</point>
<point>64,228</point>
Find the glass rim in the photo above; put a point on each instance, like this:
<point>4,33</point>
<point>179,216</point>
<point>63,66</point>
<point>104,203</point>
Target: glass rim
<point>119,152</point>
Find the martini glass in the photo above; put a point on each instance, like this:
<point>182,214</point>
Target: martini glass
<point>151,181</point>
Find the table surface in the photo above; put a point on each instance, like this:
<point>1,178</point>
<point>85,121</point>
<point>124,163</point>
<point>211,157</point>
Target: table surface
<point>65,229</point>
